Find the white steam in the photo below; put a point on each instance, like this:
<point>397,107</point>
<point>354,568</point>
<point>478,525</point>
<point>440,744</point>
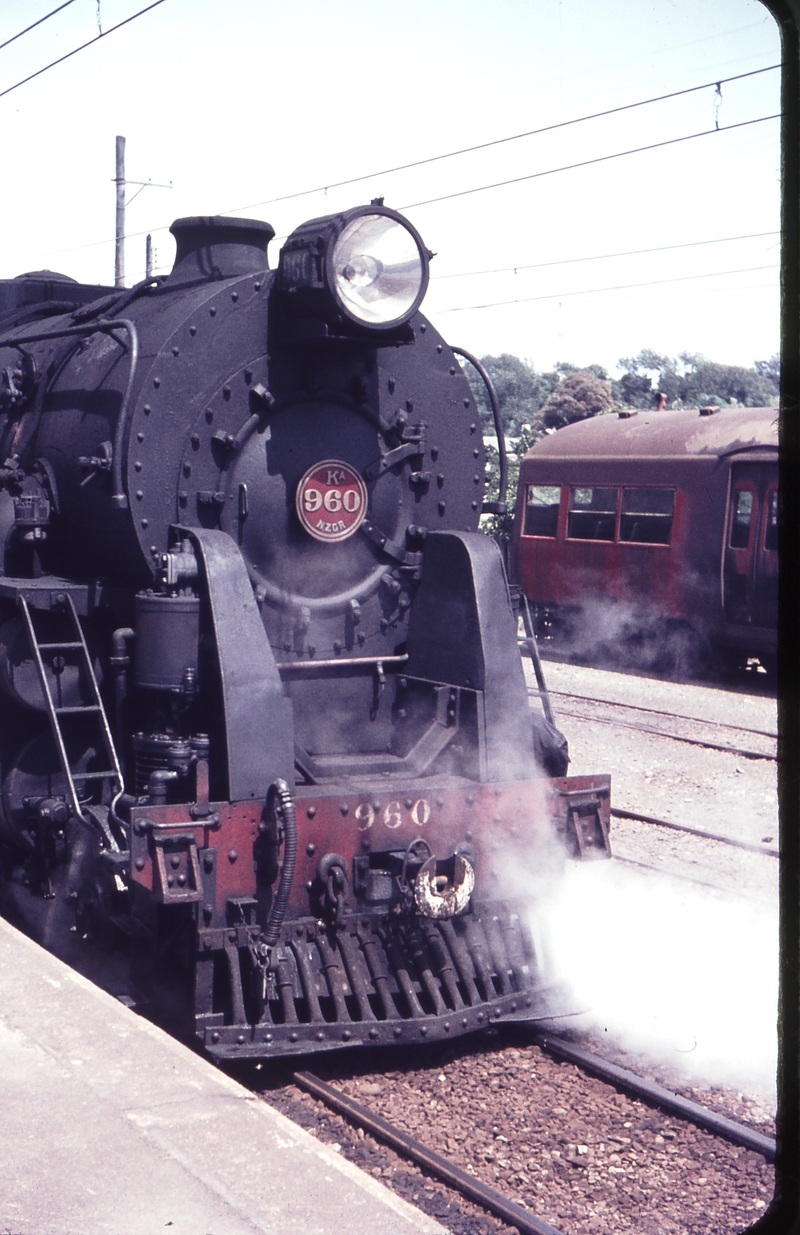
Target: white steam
<point>686,977</point>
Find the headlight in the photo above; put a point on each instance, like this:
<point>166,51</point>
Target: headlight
<point>378,270</point>
<point>367,266</point>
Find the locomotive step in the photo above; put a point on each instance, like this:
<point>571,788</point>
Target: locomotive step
<point>58,647</point>
<point>74,711</point>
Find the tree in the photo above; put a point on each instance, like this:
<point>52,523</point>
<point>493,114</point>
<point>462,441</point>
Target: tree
<point>693,380</point>
<point>636,387</point>
<point>579,396</point>
<point>521,392</point>
<point>707,382</point>
<point>771,369</point>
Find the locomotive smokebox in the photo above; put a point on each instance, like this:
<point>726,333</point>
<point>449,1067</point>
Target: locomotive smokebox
<point>168,630</point>
<point>214,247</point>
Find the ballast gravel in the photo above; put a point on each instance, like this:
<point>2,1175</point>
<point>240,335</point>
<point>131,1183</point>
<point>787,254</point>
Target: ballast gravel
<point>571,1148</point>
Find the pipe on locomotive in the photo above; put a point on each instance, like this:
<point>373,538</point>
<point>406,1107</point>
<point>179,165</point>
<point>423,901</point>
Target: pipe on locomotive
<point>119,499</point>
<point>500,507</point>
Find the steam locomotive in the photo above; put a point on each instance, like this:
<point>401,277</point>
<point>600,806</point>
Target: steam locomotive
<point>265,733</point>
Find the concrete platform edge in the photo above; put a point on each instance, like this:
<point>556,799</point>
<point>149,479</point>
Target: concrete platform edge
<point>160,1117</point>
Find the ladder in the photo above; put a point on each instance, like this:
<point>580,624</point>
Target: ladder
<point>532,649</point>
<point>92,710</point>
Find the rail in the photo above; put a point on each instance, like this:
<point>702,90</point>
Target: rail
<point>525,1222</point>
<point>665,1098</point>
<point>682,827</point>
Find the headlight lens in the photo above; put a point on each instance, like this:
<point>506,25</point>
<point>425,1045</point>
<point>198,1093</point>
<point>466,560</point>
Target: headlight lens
<point>377,270</point>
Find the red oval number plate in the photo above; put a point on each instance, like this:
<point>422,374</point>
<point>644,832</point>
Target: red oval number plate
<point>331,500</point>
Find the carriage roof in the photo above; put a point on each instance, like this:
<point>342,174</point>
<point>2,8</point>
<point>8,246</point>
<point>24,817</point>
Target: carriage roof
<point>665,434</point>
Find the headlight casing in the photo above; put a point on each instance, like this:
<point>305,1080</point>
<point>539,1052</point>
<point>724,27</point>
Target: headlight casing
<point>362,271</point>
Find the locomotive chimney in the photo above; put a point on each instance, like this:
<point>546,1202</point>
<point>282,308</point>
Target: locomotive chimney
<point>215,247</point>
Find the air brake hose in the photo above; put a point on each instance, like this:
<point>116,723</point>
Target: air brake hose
<point>286,811</point>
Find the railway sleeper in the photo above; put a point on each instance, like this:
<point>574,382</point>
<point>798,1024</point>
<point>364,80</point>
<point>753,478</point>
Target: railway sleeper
<point>373,980</point>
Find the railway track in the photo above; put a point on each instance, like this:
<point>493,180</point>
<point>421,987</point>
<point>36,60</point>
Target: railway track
<point>619,813</point>
<point>692,725</point>
<point>764,733</point>
<point>636,736</point>
<point>627,859</point>
<point>547,1137</point>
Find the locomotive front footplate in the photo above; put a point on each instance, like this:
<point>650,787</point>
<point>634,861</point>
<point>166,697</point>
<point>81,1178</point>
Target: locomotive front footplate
<point>391,943</point>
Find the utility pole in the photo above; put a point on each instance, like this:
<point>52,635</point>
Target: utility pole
<point>122,184</point>
<point>119,251</point>
<point>148,257</point>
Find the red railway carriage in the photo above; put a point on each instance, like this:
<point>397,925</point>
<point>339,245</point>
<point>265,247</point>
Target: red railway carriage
<point>644,525</point>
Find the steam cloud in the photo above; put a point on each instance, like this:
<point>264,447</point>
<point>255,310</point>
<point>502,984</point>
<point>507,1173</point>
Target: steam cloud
<point>683,976</point>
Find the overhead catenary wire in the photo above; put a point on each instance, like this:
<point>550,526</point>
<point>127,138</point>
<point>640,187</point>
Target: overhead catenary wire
<point>600,257</point>
<point>449,154</point>
<point>103,35</point>
<point>603,158</point>
<point>571,261</point>
<point>619,287</point>
<point>33,24</point>
<point>500,141</point>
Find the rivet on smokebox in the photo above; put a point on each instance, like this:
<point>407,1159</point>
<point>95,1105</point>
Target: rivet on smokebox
<point>311,848</point>
<point>470,799</point>
<point>344,808</point>
<point>311,811</point>
<point>232,855</point>
<point>139,864</point>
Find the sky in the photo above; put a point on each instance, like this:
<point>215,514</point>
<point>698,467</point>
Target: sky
<point>246,106</point>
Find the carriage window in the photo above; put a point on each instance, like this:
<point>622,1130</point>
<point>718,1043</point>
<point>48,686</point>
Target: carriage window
<point>592,513</point>
<point>771,533</point>
<point>647,515</point>
<point>741,519</point>
<point>541,510</point>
